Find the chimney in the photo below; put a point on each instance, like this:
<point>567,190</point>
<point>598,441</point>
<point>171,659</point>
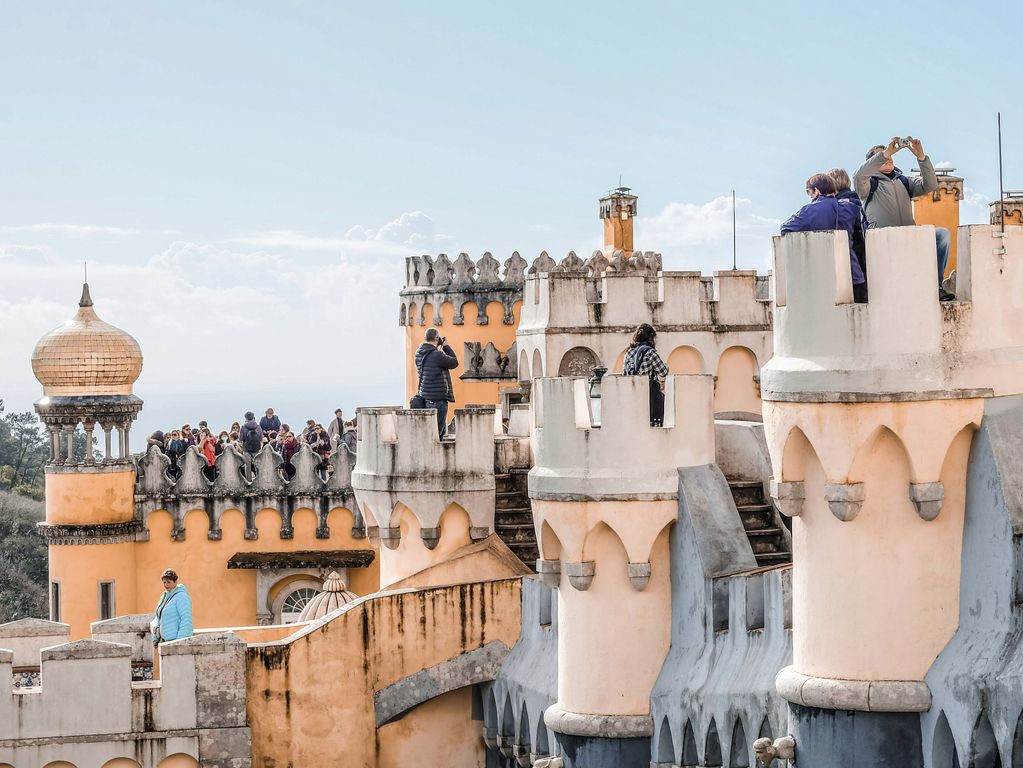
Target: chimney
<point>1011,207</point>
<point>617,209</point>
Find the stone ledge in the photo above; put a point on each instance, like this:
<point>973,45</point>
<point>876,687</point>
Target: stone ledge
<point>597,726</point>
<point>855,695</point>
<point>199,645</point>
<point>101,533</point>
<point>34,628</point>
<point>85,649</point>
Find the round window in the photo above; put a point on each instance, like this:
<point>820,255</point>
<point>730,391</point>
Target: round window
<point>295,602</point>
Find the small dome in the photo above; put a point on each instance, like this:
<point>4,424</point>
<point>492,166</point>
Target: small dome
<point>334,595</point>
<point>86,356</point>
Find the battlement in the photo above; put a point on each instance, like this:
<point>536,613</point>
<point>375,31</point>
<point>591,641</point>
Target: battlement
<point>617,455</point>
<point>87,695</point>
<point>671,301</point>
<point>403,461</point>
<point>904,343</point>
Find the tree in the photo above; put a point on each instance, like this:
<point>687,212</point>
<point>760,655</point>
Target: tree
<point>23,565</point>
<point>24,449</point>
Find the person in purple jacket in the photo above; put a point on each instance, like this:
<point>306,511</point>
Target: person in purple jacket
<point>826,212</point>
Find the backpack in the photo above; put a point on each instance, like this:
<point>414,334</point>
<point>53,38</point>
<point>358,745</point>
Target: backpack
<point>252,441</point>
<point>632,369</point>
<point>874,181</point>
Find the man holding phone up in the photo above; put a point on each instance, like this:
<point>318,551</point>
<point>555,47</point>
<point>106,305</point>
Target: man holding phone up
<point>887,194</point>
<point>434,361</point>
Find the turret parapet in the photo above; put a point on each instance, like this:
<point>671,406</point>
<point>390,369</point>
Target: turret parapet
<point>619,456</point>
<point>403,463</point>
<point>903,344</point>
<point>612,299</point>
<point>1010,208</point>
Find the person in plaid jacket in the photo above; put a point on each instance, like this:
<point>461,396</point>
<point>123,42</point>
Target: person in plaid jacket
<point>641,359</point>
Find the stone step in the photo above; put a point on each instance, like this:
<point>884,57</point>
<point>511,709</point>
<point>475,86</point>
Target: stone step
<point>746,492</point>
<point>774,558</point>
<point>513,518</point>
<point>756,516</point>
<point>766,540</point>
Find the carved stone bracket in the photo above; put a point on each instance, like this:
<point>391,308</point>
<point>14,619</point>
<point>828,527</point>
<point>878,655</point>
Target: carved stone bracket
<point>927,498</point>
<point>430,537</point>
<point>549,572</point>
<point>788,496</point>
<point>479,532</point>
<point>844,499</point>
<point>390,537</point>
<point>639,575</point>
<point>580,575</point>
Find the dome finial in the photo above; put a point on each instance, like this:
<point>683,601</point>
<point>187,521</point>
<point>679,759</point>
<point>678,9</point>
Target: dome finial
<point>86,300</point>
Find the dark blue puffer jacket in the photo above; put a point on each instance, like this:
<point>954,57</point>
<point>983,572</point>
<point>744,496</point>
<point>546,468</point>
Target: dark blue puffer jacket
<point>434,366</point>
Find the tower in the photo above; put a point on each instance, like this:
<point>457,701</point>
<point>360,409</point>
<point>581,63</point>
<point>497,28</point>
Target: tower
<point>1011,207</point>
<point>603,519</point>
<point>617,211</point>
<point>941,209</point>
<point>475,309</point>
<point>870,431</point>
<point>87,368</point>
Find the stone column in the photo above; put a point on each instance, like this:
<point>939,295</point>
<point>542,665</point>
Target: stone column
<point>89,427</point>
<point>107,458</point>
<point>54,444</point>
<point>70,444</point>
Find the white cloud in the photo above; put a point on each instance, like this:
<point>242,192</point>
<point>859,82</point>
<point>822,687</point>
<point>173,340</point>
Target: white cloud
<point>699,236</point>
<point>974,207</point>
<point>74,230</point>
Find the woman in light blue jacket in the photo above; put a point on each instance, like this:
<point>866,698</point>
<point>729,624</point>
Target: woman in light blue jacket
<point>174,611</point>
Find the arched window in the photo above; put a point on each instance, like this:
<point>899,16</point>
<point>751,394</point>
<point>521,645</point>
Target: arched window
<point>295,602</point>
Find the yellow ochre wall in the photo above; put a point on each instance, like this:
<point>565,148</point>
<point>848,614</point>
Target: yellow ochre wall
<point>220,597</point>
<point>944,213</point>
<point>82,498</point>
<point>496,331</point>
<point>296,720</point>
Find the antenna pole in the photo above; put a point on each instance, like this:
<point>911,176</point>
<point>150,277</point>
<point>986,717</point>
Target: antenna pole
<point>733,230</point>
<point>1001,185</point>
<point>85,263</point>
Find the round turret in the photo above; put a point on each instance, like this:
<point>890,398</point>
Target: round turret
<point>86,357</point>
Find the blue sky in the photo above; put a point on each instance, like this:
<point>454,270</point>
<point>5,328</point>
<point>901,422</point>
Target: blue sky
<point>245,179</point>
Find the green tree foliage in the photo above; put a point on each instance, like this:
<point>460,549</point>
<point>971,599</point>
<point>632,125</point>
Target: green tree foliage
<point>24,449</point>
<point>23,569</point>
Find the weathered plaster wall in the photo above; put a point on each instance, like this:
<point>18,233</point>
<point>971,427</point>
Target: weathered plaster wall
<point>79,498</point>
<point>441,729</point>
<point>373,643</point>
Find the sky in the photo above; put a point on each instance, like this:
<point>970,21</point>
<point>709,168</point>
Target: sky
<point>246,179</point>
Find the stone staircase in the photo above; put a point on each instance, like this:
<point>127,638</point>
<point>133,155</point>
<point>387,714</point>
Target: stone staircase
<point>513,517</point>
<point>767,537</point>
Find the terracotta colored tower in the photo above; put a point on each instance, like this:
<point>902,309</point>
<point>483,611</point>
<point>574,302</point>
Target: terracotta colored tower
<point>618,210</point>
<point>87,368</point>
<point>941,209</point>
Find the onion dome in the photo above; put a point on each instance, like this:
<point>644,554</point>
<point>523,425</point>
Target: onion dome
<point>86,357</point>
<point>334,595</point>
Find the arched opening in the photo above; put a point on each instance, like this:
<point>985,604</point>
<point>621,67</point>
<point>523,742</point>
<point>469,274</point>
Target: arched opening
<point>537,370</point>
<point>712,746</point>
<point>685,359</point>
<point>490,714</point>
<point>603,545</point>
<point>984,749</point>
<point>121,762</point>
<point>541,744</point>
<point>524,737</point>
<point>578,361</point>
<point>665,746</point>
<point>738,756</point>
<point>619,365</point>
<point>1017,744</point>
<point>689,752</point>
<point>179,761</point>
<point>736,388</point>
<point>550,544</point>
<point>943,745</point>
<point>508,720</point>
<point>412,317</point>
<point>523,366</point>
<point>765,730</point>
<point>428,314</point>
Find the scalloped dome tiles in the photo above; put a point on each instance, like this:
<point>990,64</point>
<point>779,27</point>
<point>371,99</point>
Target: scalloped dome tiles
<point>86,356</point>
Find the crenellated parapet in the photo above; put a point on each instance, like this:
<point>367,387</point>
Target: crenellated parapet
<point>406,479</point>
<point>240,482</point>
<point>904,343</point>
<point>436,281</point>
<point>573,321</point>
<point>87,710</point>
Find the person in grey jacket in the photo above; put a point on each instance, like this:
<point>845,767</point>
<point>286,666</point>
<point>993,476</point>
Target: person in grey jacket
<point>887,194</point>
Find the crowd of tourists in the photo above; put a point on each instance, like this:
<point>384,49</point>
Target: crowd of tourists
<point>879,195</point>
<point>249,436</point>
